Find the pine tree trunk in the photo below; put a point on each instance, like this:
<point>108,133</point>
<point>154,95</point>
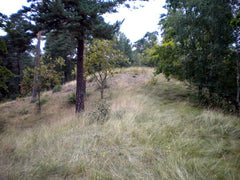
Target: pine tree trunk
<point>80,78</point>
<point>200,88</point>
<point>39,101</point>
<point>37,64</point>
<point>65,77</point>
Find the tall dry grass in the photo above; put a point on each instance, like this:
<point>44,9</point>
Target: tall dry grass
<point>153,132</point>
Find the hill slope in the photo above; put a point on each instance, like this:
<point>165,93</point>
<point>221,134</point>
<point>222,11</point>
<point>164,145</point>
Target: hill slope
<point>152,132</point>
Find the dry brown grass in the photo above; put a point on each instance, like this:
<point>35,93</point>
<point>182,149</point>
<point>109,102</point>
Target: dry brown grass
<point>153,132</point>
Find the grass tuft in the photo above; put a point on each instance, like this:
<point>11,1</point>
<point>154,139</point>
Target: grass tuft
<point>57,88</point>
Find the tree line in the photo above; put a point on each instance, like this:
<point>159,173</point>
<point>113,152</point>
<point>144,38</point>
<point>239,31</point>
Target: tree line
<point>201,46</point>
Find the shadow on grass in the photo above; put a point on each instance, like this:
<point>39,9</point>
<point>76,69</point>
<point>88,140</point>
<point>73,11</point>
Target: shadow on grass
<point>169,91</point>
<point>173,91</point>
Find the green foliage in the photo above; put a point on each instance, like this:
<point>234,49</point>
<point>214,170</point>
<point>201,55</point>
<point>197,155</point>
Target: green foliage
<point>57,88</point>
<point>167,60</point>
<point>122,43</point>
<point>43,100</point>
<point>101,59</point>
<point>100,112</point>
<point>71,99</point>
<point>63,45</point>
<point>48,75</point>
<point>5,74</point>
<point>83,19</point>
<point>197,36</point>
<point>143,49</point>
<point>235,22</point>
<point>18,43</point>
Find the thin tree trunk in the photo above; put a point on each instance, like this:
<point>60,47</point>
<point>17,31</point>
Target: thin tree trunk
<point>37,64</point>
<point>238,88</point>
<point>102,90</point>
<point>80,78</point>
<point>200,92</point>
<point>39,101</point>
<point>65,77</point>
<point>19,76</point>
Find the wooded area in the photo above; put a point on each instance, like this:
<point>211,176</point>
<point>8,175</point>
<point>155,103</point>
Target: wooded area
<point>200,45</point>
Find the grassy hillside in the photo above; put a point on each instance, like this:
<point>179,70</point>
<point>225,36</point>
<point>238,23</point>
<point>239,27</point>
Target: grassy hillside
<point>152,132</point>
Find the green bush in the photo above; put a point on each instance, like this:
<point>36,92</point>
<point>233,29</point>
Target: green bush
<point>57,88</point>
<point>43,100</point>
<point>100,111</point>
<point>71,99</point>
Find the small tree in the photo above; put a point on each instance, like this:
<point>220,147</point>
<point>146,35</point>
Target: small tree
<point>101,59</point>
<point>47,77</point>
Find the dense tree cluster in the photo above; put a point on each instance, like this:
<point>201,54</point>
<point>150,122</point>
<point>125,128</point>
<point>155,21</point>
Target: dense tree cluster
<point>17,53</point>
<point>199,46</point>
<point>143,49</point>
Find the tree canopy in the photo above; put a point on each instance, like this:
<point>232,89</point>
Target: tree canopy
<point>197,36</point>
<point>83,19</point>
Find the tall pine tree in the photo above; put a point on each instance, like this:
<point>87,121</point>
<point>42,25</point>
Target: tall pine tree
<point>83,19</point>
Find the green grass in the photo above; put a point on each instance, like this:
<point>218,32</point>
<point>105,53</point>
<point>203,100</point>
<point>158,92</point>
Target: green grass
<point>152,132</point>
<point>57,88</point>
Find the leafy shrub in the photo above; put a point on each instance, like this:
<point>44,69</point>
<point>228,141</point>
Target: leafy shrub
<point>71,99</point>
<point>57,88</point>
<point>43,100</point>
<point>100,111</point>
